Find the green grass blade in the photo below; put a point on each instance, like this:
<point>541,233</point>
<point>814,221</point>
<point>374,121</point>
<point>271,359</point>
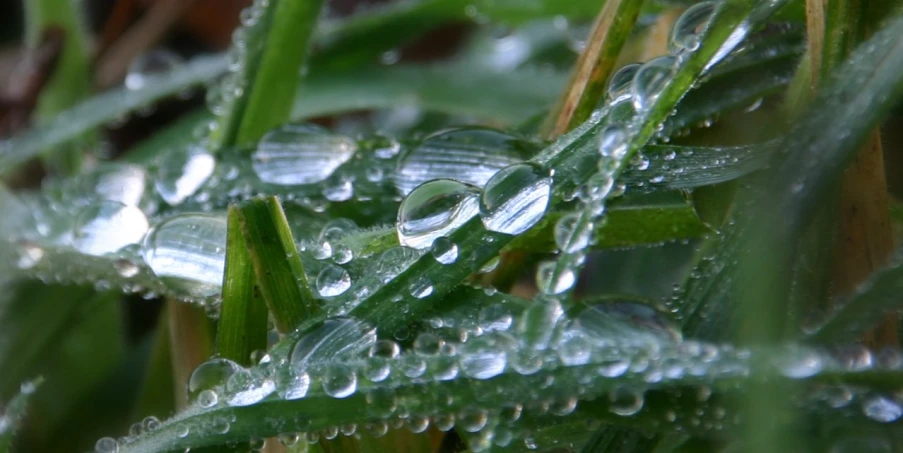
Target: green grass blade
<point>277,265</point>
<point>14,411</point>
<point>242,327</point>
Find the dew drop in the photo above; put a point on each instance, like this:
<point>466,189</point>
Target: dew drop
<point>619,86</point>
<point>650,79</point>
<point>481,358</point>
<point>625,402</point>
<point>613,141</point>
<point>142,68</point>
<point>393,261</point>
<point>210,375</point>
<point>182,172</point>
<point>548,281</point>
<point>689,27</point>
<point>515,198</point>
<point>300,154</point>
<point>339,381</point>
<point>798,362</point>
<point>538,322</point>
<point>124,183</point>
<point>106,445</point>
<point>126,268</point>
<point>108,226</point>
<point>246,387</point>
<point>421,288</point>
<point>472,420</point>
<point>30,254</point>
<point>444,250</point>
<point>294,386</point>
<point>882,409</point>
<point>435,208</point>
<point>572,233</point>
<point>337,337</point>
<point>333,281</point>
<point>188,253</point>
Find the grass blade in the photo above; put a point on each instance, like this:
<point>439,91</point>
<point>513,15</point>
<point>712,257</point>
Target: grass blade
<point>14,412</point>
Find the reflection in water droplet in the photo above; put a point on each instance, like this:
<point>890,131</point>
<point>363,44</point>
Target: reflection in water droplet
<point>188,253</point>
<point>339,381</point>
<point>337,337</point>
<point>107,226</point>
<point>182,172</point>
<point>246,387</point>
<point>469,154</point>
<point>625,402</point>
<point>435,209</point>
<point>333,281</point>
<point>515,198</point>
<point>688,29</point>
<point>210,375</point>
<point>619,86</point>
<point>300,154</point>
<point>444,250</point>
<point>571,233</point>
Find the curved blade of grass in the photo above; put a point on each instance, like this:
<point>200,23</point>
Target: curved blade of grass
<point>13,412</point>
<point>242,327</point>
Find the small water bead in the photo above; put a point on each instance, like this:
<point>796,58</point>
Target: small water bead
<point>298,154</point>
<point>210,375</point>
<point>342,190</point>
<point>470,155</point>
<point>208,398</point>
<point>482,358</point>
<point>106,445</point>
<point>337,337</point>
<point>333,281</point>
<point>444,250</point>
<point>378,368</point>
<point>495,317</point>
<point>381,402</point>
<point>882,409</point>
<point>412,365</point>
<point>798,362</point>
<point>434,209</point>
<point>188,253</point>
<point>294,385</point>
<point>246,387</point>
<point>472,420</point>
<point>573,347</point>
<point>421,288</point>
<point>108,226</point>
<point>383,147</point>
<point>428,344</point>
<point>650,79</point>
<point>552,280</point>
<point>393,261</point>
<point>374,174</point>
<point>29,255</point>
<point>339,381</point>
<point>257,444</point>
<point>625,402</point>
<point>689,27</point>
<point>613,141</point>
<point>526,361</point>
<point>151,423</point>
<point>538,321</point>
<point>182,172</point>
<point>126,268</point>
<point>515,198</point>
<point>572,233</point>
<point>289,439</point>
<point>619,86</point>
<point>142,68</point>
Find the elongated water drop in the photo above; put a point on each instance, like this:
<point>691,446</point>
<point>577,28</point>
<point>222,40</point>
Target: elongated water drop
<point>690,26</point>
<point>332,281</point>
<point>108,226</point>
<point>619,86</point>
<point>336,338</point>
<point>435,209</point>
<point>188,253</point>
<point>650,79</point>
<point>210,375</point>
<point>613,141</point>
<point>469,154</point>
<point>537,323</point>
<point>300,154</point>
<point>515,198</point>
<point>572,233</point>
<point>882,409</point>
<point>182,172</point>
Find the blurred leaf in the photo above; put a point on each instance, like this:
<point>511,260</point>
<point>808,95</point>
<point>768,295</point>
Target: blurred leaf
<point>13,412</point>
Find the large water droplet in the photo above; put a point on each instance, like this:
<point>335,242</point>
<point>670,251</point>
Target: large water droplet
<point>188,253</point>
<point>300,154</point>
<point>515,198</point>
<point>482,358</point>
<point>627,322</point>
<point>210,375</point>
<point>145,65</point>
<point>798,362</point>
<point>333,281</point>
<point>650,79</point>
<point>882,409</point>
<point>469,154</point>
<point>182,172</point>
<point>107,226</point>
<point>336,338</point>
<point>435,209</point>
<point>246,387</point>
<point>689,27</point>
<point>619,86</point>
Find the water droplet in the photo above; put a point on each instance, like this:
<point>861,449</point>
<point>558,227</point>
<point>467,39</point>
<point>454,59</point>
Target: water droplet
<point>30,254</point>
<point>393,261</point>
<point>435,209</point>
<point>798,362</point>
<point>107,226</point>
<point>444,250</point>
<point>538,322</point>
<point>182,172</point>
<point>548,281</point>
<point>495,317</point>
<point>294,386</point>
<point>333,281</point>
<point>339,381</point>
<point>381,352</point>
<point>573,347</point>
<point>142,68</point>
<point>342,190</point>
<point>126,268</point>
<point>124,183</point>
<point>381,402</point>
<point>625,402</point>
<point>428,344</point>
<point>188,253</point>
<point>882,409</point>
<point>106,445</point>
<point>613,141</point>
<point>650,79</point>
<point>689,27</point>
<point>422,287</point>
<point>572,233</point>
<point>470,155</point>
<point>246,387</point>
<point>210,375</point>
<point>619,86</point>
<point>300,154</point>
<point>481,358</point>
<point>337,337</point>
<point>515,198</point>
<point>472,420</point>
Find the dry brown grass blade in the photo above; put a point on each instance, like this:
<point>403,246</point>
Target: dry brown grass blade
<point>191,341</point>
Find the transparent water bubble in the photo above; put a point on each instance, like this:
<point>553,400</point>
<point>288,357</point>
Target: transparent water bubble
<point>333,281</point>
<point>210,375</point>
<point>155,61</point>
<point>573,347</point>
<point>428,344</point>
<point>550,281</point>
<point>613,141</point>
<point>180,173</point>
<point>381,402</point>
<point>380,353</point>
<point>341,190</point>
<point>246,387</point>
<point>650,79</point>
<point>515,198</point>
<point>188,253</point>
<point>620,84</point>
<point>384,147</point>
<point>125,183</point>
<point>443,422</point>
<point>126,268</point>
<point>106,445</point>
<point>339,381</point>
<point>294,385</point>
<point>882,409</point>
<point>208,398</point>
<point>470,155</point>
<point>411,365</point>
<point>537,323</point>
<point>689,27</point>
<point>337,337</point>
<point>435,209</point>
<point>495,317</point>
<point>472,420</point>
<point>297,154</point>
<point>625,402</point>
<point>393,261</point>
<point>108,226</point>
<point>572,233</point>
<point>481,358</point>
<point>444,250</point>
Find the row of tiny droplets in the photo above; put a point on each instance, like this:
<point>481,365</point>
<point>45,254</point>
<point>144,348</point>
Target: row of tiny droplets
<point>632,90</point>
